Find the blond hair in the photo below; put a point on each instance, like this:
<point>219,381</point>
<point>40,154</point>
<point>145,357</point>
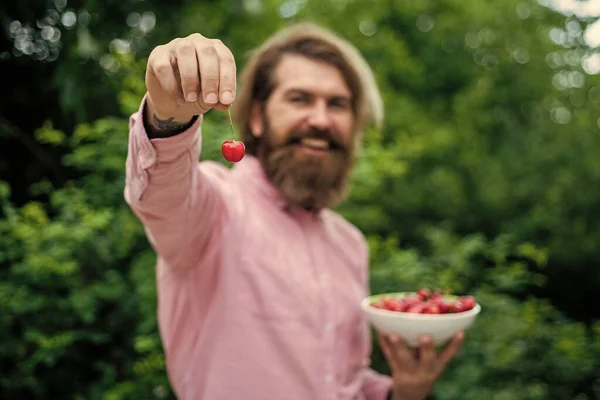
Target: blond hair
<point>306,39</point>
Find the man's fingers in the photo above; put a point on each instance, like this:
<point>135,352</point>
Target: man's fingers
<point>427,353</point>
<point>187,63</point>
<point>227,71</point>
<point>162,73</point>
<point>220,107</point>
<point>386,347</point>
<point>208,61</point>
<point>402,353</point>
<point>191,75</point>
<point>451,350</point>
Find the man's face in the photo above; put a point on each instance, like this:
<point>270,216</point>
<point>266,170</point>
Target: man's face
<point>307,144</point>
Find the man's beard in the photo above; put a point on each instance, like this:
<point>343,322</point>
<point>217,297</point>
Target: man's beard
<point>309,181</point>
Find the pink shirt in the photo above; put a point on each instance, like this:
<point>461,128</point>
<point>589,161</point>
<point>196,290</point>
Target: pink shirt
<point>255,302</point>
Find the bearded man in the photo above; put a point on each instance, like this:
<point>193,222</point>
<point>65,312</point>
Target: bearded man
<point>259,281</point>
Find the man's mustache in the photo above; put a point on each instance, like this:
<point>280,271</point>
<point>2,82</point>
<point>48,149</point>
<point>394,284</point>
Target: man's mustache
<point>324,134</point>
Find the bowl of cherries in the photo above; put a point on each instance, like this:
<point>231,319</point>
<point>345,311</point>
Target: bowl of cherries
<point>412,314</point>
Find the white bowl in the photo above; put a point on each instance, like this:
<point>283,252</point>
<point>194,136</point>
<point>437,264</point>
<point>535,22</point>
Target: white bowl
<point>411,326</point>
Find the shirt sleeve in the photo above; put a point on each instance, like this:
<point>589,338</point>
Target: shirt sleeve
<point>376,386</point>
<point>172,195</point>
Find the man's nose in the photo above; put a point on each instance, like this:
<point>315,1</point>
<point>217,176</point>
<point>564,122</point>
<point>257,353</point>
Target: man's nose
<point>319,116</point>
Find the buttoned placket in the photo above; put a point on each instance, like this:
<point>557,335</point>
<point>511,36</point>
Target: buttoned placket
<point>317,245</point>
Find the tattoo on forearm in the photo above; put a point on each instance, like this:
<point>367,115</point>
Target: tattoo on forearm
<point>168,127</point>
<point>167,124</point>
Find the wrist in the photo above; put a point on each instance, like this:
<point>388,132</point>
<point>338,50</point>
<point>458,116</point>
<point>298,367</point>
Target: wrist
<point>393,396</point>
<point>152,113</point>
<point>159,124</point>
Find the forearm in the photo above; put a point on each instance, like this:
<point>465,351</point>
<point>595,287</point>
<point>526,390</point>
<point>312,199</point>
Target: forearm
<point>160,170</point>
<point>168,192</point>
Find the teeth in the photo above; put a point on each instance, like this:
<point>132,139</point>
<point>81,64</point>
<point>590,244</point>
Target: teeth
<point>315,143</point>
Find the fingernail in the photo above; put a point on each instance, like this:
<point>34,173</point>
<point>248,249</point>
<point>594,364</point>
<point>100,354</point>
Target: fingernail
<point>191,97</point>
<point>226,97</point>
<point>211,98</point>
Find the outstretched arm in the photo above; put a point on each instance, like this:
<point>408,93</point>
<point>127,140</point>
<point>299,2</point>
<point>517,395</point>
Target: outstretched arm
<point>179,202</point>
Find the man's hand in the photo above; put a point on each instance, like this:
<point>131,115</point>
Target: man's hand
<point>414,372</point>
<point>187,77</point>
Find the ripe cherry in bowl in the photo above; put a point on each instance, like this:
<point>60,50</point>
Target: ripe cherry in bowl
<point>413,314</point>
<point>425,302</point>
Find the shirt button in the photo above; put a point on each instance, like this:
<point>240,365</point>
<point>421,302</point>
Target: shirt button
<point>328,378</point>
<point>328,327</point>
<point>146,160</point>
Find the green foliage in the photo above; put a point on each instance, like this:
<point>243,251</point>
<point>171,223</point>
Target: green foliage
<point>478,184</point>
<point>79,294</point>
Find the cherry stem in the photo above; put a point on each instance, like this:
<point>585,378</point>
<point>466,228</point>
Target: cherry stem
<point>231,123</point>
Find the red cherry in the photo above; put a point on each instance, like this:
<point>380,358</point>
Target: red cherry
<point>424,293</point>
<point>384,303</point>
<point>433,309</point>
<point>416,308</point>
<point>411,300</point>
<point>444,307</point>
<point>233,151</point>
<point>399,305</point>
<point>458,307</point>
<point>468,302</point>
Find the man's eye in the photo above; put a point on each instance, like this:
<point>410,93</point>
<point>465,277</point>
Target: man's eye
<point>340,104</point>
<point>298,100</point>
